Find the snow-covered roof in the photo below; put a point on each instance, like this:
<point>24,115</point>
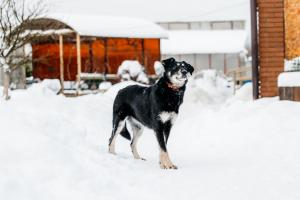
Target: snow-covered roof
<point>111,26</point>
<point>204,42</point>
<point>160,10</point>
<point>50,31</point>
<point>289,79</point>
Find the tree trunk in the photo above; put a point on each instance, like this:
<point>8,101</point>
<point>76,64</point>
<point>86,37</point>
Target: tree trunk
<point>6,85</point>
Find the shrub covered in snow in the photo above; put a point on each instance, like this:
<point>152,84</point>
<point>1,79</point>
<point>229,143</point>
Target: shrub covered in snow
<point>114,89</point>
<point>105,85</point>
<point>209,87</point>
<point>48,87</point>
<point>158,68</point>
<point>132,70</point>
<point>243,94</point>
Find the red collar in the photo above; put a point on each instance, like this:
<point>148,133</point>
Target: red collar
<point>172,87</point>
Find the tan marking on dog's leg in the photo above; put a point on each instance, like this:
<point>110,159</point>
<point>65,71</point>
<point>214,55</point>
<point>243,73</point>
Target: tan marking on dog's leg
<point>164,161</point>
<point>134,149</point>
<point>137,129</point>
<point>111,148</point>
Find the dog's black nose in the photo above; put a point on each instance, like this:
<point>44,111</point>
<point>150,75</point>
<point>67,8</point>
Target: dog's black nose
<point>184,72</point>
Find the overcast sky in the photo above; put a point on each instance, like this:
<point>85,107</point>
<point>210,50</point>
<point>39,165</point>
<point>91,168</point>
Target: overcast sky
<point>157,10</point>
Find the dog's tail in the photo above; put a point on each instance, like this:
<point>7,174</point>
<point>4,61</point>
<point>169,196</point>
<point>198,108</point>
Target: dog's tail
<point>125,133</point>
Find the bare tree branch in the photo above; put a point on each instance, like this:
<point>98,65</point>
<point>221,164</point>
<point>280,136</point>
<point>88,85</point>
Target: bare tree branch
<point>15,20</point>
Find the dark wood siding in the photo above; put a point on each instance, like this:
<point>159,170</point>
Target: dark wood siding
<point>271,45</point>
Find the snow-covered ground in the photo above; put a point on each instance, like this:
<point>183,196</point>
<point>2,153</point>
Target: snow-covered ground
<point>226,147</point>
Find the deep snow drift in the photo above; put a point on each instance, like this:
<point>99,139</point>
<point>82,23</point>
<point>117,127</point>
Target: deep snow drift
<point>226,147</point>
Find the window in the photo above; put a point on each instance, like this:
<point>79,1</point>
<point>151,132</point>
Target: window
<point>179,26</point>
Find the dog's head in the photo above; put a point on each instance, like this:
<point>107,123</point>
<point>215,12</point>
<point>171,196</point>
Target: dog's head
<point>177,72</point>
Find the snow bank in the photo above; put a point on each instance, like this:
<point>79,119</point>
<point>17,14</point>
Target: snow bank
<point>105,85</point>
<point>48,87</point>
<point>56,148</point>
<point>208,87</point>
<point>113,91</point>
<point>245,93</point>
<point>289,79</point>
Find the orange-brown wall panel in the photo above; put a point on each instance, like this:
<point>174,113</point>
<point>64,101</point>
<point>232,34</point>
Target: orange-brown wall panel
<point>93,53</point>
<point>98,56</point>
<point>152,53</point>
<point>292,31</point>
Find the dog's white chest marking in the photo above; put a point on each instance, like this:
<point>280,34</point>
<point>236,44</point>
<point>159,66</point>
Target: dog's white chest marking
<point>167,116</point>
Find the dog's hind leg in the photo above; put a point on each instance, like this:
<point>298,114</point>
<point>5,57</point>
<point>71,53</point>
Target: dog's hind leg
<point>118,125</point>
<point>137,129</point>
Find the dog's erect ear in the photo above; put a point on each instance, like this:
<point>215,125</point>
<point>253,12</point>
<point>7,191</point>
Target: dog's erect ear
<point>190,68</point>
<point>168,63</point>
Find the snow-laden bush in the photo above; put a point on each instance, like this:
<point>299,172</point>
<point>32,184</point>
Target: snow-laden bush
<point>242,94</point>
<point>105,85</point>
<point>48,87</point>
<point>158,68</point>
<point>132,70</point>
<point>208,87</point>
<point>114,89</point>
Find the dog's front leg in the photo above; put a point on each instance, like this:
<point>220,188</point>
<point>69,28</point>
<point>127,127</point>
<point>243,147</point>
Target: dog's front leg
<point>164,159</point>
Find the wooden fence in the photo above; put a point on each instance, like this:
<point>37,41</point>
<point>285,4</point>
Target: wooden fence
<point>239,76</point>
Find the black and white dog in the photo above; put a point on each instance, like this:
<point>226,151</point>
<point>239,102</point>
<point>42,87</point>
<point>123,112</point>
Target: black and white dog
<point>155,107</point>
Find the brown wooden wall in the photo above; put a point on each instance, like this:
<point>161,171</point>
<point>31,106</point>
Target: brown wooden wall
<point>271,45</point>
<point>292,30</point>
<point>98,55</point>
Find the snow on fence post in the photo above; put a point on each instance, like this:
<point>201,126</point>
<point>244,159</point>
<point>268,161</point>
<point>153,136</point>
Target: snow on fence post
<point>61,59</point>
<point>6,81</point>
<point>6,77</point>
<point>78,46</point>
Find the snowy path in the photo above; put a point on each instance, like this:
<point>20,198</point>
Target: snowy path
<point>53,147</point>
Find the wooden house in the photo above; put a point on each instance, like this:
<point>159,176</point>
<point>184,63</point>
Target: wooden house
<point>203,33</point>
<point>275,40</point>
<point>71,45</point>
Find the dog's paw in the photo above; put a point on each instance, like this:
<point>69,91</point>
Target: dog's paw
<point>174,167</point>
<point>139,158</point>
<point>167,166</point>
<point>112,152</point>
